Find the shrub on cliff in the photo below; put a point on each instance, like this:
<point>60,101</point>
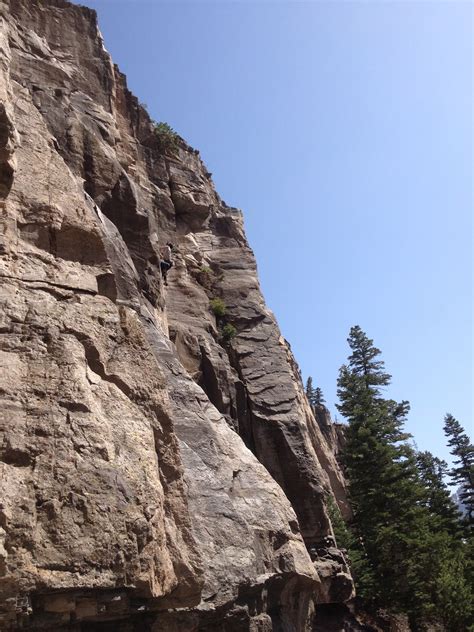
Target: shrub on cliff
<point>228,332</point>
<point>205,277</point>
<point>167,137</point>
<point>218,307</point>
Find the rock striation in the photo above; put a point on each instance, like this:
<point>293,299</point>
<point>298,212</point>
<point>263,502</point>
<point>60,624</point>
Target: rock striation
<point>160,466</point>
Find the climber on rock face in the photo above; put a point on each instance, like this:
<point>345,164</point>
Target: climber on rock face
<point>166,263</point>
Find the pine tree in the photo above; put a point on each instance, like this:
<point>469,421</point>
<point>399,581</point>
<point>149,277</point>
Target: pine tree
<point>450,561</point>
<point>354,551</point>
<point>314,395</point>
<point>318,397</point>
<point>437,497</point>
<point>454,582</point>
<point>384,487</point>
<point>463,472</point>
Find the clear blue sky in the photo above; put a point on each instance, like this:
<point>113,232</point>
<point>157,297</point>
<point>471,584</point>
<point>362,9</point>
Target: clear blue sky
<point>344,131</point>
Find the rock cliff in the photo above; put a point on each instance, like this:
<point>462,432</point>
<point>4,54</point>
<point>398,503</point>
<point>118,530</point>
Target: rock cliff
<point>160,466</point>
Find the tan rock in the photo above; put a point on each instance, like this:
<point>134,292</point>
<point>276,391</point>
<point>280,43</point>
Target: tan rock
<point>166,486</point>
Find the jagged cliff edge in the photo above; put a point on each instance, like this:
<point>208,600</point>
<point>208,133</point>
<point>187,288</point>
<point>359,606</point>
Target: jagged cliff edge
<point>153,475</point>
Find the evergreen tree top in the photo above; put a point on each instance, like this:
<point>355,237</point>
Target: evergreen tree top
<point>462,448</point>
<point>432,471</point>
<point>319,397</point>
<point>361,379</point>
<point>315,395</point>
<point>362,361</point>
<point>463,471</point>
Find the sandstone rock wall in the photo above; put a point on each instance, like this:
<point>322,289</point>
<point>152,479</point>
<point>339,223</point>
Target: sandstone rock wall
<point>155,474</point>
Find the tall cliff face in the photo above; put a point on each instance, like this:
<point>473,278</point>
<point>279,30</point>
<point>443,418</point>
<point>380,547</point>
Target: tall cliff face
<point>156,474</point>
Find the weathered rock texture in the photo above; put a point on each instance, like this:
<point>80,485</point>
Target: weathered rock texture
<point>155,473</point>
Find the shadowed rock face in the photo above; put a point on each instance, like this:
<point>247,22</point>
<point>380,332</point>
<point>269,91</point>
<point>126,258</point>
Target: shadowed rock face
<point>155,473</point>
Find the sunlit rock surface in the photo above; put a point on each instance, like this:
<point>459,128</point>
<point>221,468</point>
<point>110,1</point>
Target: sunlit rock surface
<point>158,471</point>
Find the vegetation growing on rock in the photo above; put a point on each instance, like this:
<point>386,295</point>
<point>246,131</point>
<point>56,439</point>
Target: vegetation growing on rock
<point>167,137</point>
<point>228,332</point>
<point>218,307</point>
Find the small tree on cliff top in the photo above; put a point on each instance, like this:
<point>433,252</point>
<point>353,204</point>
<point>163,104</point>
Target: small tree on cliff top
<point>315,395</point>
<point>168,139</point>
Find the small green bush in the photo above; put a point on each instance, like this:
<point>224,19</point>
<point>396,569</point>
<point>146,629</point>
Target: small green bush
<point>218,307</point>
<point>205,270</point>
<point>228,332</point>
<point>167,137</point>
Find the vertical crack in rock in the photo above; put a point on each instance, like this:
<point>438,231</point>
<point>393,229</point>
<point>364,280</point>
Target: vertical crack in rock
<point>6,153</point>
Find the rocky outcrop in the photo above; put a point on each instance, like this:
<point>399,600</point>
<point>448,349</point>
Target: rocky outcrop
<point>334,434</point>
<point>160,466</point>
